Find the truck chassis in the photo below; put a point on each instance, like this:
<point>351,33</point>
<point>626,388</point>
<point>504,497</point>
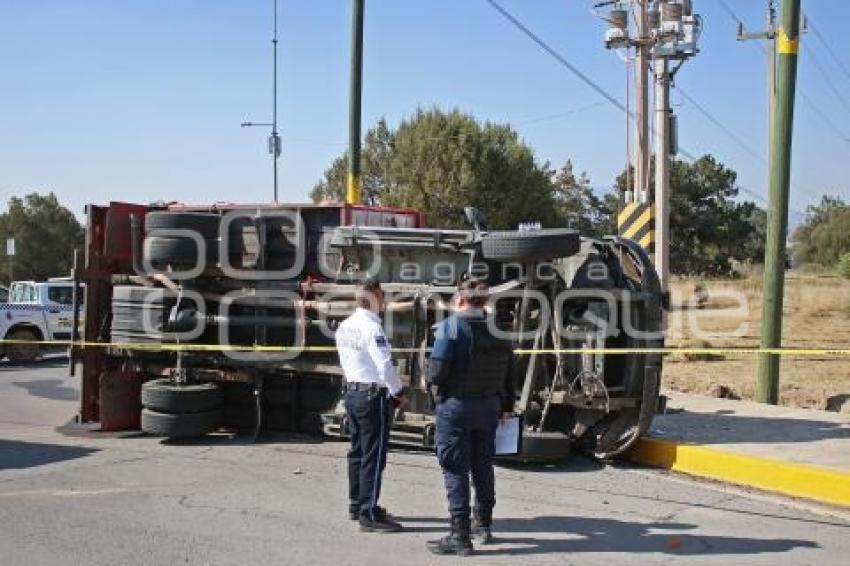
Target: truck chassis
<point>207,317</point>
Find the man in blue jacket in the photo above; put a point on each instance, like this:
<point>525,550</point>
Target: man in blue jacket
<point>471,379</point>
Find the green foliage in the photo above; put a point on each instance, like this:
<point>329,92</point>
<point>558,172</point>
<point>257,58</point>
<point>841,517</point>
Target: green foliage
<point>439,162</point>
<point>825,235</point>
<point>582,209</point>
<point>45,233</point>
<point>707,228</point>
<point>844,266</point>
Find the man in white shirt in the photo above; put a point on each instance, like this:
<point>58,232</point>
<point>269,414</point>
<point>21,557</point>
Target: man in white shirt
<point>372,389</point>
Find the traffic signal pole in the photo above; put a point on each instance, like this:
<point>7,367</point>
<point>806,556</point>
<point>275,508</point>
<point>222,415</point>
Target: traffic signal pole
<point>353,193</point>
<point>787,47</point>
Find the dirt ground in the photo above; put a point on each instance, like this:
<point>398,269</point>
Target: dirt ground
<point>816,315</point>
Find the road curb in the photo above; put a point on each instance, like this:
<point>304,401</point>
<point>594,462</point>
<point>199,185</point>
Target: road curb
<point>823,485</point>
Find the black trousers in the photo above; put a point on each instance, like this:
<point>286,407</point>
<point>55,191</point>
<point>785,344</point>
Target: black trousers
<point>369,413</point>
<point>466,437</point>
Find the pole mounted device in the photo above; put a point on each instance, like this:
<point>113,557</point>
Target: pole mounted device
<point>667,33</point>
<point>353,193</point>
<point>274,137</point>
<point>787,48</point>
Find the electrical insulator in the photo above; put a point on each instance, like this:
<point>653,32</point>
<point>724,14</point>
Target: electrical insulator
<point>671,12</point>
<point>617,36</point>
<point>653,18</point>
<point>618,19</point>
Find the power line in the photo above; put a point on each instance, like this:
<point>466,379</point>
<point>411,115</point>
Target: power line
<point>841,98</point>
<point>555,55</point>
<point>611,99</point>
<point>734,137</point>
<point>559,115</point>
<point>807,99</point>
<point>729,11</point>
<point>828,47</point>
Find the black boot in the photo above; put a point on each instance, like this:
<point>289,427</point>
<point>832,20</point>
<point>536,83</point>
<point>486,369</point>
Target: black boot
<point>481,523</point>
<point>457,542</point>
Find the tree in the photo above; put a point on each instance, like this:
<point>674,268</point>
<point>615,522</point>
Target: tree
<point>580,207</point>
<point>708,229</point>
<point>825,235</point>
<point>45,234</point>
<point>439,162</point>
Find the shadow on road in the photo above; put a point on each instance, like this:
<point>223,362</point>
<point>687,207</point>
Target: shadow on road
<point>46,362</point>
<point>48,389</point>
<point>579,534</point>
<point>15,455</point>
<point>726,427</point>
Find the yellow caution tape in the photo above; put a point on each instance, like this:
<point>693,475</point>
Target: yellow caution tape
<point>177,347</point>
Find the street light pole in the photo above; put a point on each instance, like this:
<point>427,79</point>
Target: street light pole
<point>274,138</point>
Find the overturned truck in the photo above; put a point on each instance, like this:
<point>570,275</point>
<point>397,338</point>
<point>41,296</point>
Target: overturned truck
<point>206,318</point>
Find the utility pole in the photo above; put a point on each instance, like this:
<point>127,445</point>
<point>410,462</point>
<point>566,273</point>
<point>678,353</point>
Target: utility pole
<point>663,78</point>
<point>768,34</point>
<point>642,48</point>
<point>353,193</point>
<point>787,47</point>
<point>274,138</point>
<point>668,31</point>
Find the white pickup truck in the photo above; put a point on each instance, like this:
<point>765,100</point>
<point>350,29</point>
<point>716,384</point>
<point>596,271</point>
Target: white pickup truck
<point>36,313</point>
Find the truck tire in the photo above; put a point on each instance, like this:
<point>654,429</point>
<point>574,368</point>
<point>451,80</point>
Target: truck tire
<point>139,313</point>
<point>163,395</point>
<point>186,425</point>
<point>205,224</point>
<point>529,246</point>
<point>22,353</point>
<point>160,250</point>
<point>129,295</point>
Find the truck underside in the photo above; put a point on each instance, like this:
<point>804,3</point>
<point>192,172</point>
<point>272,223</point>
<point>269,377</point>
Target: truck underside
<point>226,314</point>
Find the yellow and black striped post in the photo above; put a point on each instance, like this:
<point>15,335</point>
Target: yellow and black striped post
<point>636,221</point>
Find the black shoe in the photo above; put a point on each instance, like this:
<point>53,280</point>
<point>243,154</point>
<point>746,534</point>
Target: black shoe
<point>380,512</point>
<point>483,535</point>
<point>381,524</point>
<point>481,527</point>
<point>456,542</point>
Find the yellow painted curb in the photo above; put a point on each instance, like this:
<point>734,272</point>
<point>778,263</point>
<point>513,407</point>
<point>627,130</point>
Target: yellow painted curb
<point>798,480</point>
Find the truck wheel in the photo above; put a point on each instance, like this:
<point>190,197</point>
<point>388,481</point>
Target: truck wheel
<point>528,246</point>
<point>22,353</point>
<point>184,425</point>
<point>159,250</point>
<point>165,396</point>
<point>205,224</point>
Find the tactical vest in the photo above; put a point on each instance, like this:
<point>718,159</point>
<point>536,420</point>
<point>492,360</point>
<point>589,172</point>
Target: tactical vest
<point>488,362</point>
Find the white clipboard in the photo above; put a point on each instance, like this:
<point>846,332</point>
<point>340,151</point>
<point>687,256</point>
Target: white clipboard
<point>509,437</point>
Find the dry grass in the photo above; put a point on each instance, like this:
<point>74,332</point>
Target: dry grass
<point>816,315</point>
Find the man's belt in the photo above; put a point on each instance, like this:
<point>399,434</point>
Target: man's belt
<point>357,386</point>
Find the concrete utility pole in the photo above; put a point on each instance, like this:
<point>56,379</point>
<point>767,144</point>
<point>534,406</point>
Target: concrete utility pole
<point>663,78</point>
<point>668,31</point>
<point>642,152</point>
<point>770,35</point>
<point>353,193</point>
<point>787,47</point>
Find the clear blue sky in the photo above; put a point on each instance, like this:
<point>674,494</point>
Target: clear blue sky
<point>142,100</point>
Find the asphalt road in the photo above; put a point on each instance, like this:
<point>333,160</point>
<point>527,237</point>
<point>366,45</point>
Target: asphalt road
<point>225,500</point>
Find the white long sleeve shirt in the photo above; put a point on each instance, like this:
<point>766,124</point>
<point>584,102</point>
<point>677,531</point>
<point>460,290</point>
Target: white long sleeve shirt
<point>364,351</point>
